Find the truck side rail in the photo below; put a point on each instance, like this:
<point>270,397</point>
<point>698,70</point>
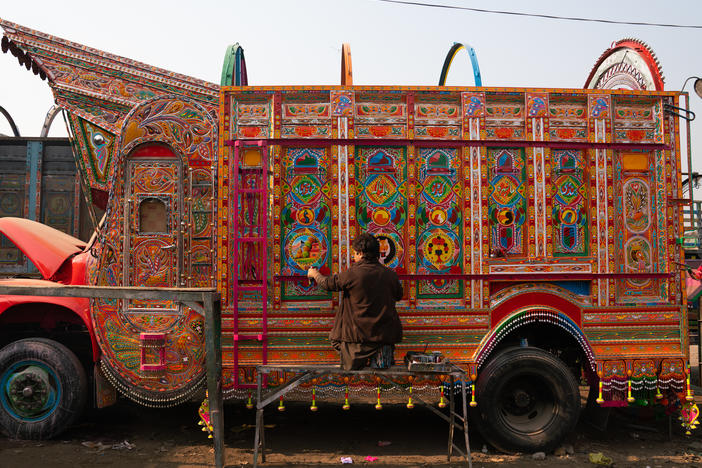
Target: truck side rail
<point>514,276</point>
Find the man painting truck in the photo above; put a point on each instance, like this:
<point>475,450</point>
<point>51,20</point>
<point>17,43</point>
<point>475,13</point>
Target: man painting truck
<point>535,232</point>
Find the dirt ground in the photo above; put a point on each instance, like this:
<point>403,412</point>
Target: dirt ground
<point>133,436</point>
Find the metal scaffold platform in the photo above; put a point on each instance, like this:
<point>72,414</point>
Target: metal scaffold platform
<point>305,373</point>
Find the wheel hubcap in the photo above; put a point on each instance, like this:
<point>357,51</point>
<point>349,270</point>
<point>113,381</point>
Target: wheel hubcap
<point>527,404</point>
<point>29,391</point>
<point>521,399</point>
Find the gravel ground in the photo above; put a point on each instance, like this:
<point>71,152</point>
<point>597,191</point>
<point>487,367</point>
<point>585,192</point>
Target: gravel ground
<point>130,435</point>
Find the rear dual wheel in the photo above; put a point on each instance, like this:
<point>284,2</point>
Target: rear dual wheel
<point>528,400</point>
<point>43,388</point>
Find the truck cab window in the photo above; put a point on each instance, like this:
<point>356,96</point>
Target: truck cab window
<point>152,216</point>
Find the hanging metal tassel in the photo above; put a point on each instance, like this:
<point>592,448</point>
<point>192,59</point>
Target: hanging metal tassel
<point>442,402</point>
<point>314,399</point>
<point>378,406</point>
<point>346,395</point>
<point>659,395</point>
<point>204,413</point>
<point>629,397</point>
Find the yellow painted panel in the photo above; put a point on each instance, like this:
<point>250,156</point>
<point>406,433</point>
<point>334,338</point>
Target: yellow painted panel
<point>635,162</point>
<point>251,158</point>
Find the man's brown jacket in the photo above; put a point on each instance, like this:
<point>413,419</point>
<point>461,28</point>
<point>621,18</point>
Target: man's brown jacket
<point>367,311</point>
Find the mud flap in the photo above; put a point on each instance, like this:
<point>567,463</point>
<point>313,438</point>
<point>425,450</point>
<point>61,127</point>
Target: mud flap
<point>105,392</point>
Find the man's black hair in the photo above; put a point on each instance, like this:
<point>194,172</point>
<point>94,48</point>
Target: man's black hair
<point>368,246</point>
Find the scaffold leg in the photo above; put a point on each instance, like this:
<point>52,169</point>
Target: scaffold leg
<point>258,436</point>
<point>452,419</point>
<point>465,423</point>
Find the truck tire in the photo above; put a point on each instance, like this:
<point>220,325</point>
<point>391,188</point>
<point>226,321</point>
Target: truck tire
<point>528,400</point>
<point>43,388</point>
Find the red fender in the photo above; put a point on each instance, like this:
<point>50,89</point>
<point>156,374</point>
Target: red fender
<point>77,308</point>
<point>533,298</point>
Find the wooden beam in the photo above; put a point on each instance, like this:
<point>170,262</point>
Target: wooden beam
<point>113,292</point>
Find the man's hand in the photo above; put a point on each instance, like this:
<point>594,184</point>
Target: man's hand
<point>313,273</point>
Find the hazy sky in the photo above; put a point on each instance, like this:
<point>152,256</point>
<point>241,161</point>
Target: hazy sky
<point>290,42</point>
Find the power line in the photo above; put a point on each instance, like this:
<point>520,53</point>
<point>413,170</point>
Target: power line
<point>534,15</point>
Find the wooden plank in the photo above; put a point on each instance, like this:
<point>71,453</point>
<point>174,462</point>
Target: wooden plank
<point>113,292</point>
<point>336,370</point>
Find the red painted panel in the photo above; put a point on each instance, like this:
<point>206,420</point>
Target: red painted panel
<point>46,247</point>
<point>38,313</point>
<point>152,151</point>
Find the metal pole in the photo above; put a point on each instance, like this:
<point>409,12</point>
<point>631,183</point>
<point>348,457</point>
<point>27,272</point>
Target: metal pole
<point>689,157</point>
<point>7,115</point>
<point>259,418</point>
<point>452,419</point>
<point>692,224</point>
<point>213,345</point>
<point>465,419</point>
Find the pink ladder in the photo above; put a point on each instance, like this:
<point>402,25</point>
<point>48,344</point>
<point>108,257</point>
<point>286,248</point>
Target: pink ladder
<point>249,179</point>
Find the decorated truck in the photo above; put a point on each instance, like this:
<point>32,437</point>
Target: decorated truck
<point>535,232</point>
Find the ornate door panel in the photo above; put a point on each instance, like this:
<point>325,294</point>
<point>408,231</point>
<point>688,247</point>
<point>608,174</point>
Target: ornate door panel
<point>638,227</point>
<point>153,244</point>
<point>507,202</point>
<point>439,221</point>
<point>381,200</point>
<point>306,219</point>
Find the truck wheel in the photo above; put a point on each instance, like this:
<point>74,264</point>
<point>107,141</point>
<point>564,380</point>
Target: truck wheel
<point>43,388</point>
<point>528,400</point>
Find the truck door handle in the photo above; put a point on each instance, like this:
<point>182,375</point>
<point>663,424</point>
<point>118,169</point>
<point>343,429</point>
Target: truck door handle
<point>168,247</point>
